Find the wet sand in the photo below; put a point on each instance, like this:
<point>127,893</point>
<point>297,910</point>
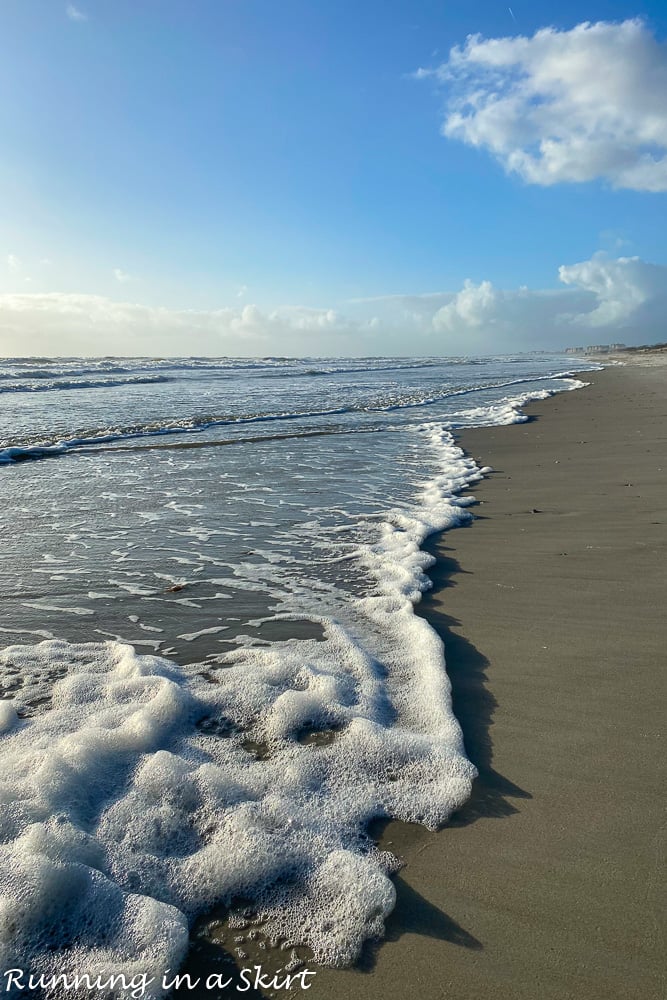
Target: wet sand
<point>551,606</point>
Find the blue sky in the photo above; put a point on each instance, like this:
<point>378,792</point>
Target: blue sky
<point>221,155</point>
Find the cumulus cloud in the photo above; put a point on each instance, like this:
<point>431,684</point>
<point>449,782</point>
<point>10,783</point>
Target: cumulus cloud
<point>13,263</point>
<point>74,14</point>
<point>601,299</point>
<point>121,275</point>
<point>564,106</point>
<point>621,288</point>
<point>473,306</point>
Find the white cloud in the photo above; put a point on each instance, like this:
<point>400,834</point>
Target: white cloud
<point>241,291</point>
<point>621,287</point>
<point>122,276</point>
<point>604,299</point>
<point>564,106</point>
<point>473,306</point>
<point>74,14</point>
<point>13,263</point>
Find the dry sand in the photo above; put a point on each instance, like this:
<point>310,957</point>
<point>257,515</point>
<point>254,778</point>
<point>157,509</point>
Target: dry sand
<point>551,607</point>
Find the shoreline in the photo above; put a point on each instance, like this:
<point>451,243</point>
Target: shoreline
<point>545,883</point>
<point>476,914</point>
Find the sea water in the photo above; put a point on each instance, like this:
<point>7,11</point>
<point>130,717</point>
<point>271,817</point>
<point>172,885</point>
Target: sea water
<point>213,676</point>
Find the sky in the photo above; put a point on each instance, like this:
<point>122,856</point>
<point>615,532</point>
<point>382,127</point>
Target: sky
<point>328,177</point>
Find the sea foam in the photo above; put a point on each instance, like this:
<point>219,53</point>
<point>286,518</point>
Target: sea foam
<point>506,411</point>
<point>137,794</point>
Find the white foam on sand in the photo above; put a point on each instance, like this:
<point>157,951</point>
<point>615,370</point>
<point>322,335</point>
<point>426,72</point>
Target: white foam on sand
<point>137,794</point>
<point>509,410</point>
<point>134,796</point>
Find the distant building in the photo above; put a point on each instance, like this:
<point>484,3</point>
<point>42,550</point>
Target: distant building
<point>595,349</point>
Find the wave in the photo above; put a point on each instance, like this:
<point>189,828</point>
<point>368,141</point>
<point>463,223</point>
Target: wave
<point>141,801</point>
<point>142,797</point>
<point>270,367</point>
<point>347,370</point>
<point>19,452</point>
<point>68,384</point>
<point>67,371</point>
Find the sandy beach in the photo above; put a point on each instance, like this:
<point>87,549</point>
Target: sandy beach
<point>551,608</point>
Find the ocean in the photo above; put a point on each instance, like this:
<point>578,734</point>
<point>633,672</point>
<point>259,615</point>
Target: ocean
<point>213,678</point>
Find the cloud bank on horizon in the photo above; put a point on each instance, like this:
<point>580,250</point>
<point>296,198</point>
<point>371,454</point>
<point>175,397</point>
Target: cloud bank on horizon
<point>564,106</point>
<point>601,299</point>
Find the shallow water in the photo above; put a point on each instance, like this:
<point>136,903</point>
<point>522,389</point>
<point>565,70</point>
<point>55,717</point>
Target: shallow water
<point>258,526</point>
